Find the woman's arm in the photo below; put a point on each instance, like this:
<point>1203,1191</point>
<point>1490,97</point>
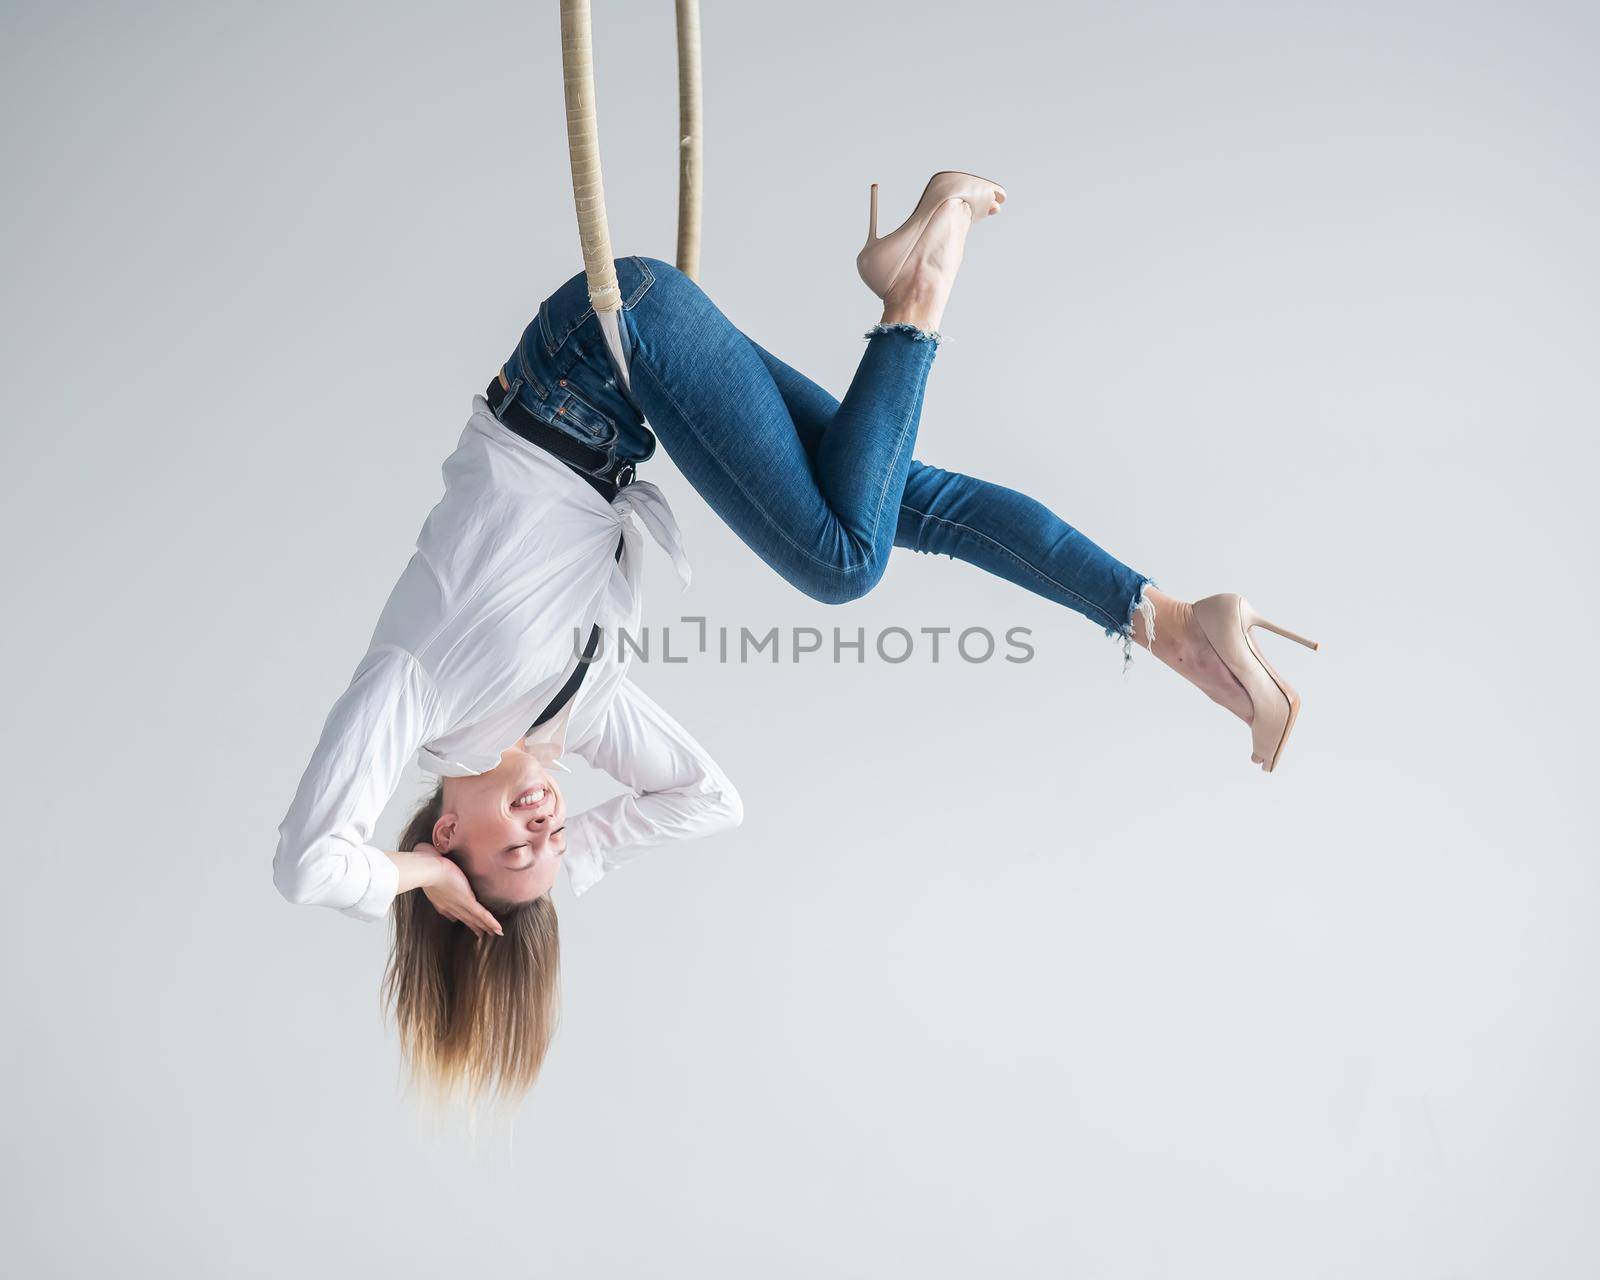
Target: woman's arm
<point>677,790</point>
<point>446,886</point>
<point>324,855</point>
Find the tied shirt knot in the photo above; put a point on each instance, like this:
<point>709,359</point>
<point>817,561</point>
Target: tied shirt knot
<point>646,501</point>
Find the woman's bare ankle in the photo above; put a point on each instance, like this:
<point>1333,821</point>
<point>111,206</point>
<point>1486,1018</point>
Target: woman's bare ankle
<point>924,313</point>
<point>1171,628</point>
<point>1181,644</point>
<point>928,277</point>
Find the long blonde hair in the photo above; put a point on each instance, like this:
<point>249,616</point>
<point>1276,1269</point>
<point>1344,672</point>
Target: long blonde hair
<point>475,1015</point>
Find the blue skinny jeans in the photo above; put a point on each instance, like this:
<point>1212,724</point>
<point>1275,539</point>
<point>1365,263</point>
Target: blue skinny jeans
<point>820,489</point>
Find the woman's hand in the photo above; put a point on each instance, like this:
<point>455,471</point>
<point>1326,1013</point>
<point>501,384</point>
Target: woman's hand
<point>446,887</point>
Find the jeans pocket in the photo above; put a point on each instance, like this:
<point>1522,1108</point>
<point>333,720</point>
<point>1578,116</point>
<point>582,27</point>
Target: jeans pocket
<point>568,308</point>
<point>634,278</point>
<point>580,418</point>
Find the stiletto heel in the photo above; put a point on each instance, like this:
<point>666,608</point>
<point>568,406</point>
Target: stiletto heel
<point>882,258</point>
<point>1227,621</point>
<point>1256,620</point>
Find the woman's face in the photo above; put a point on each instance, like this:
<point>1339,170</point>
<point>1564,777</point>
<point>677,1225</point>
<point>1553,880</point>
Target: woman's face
<point>505,828</point>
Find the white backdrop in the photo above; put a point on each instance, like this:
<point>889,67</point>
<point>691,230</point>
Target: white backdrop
<point>1012,969</point>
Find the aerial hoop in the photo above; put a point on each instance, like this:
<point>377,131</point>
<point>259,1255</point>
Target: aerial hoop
<point>690,137</point>
<point>583,145</point>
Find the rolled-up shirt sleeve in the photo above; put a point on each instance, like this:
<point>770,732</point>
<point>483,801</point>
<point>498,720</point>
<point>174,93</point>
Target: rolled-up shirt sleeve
<point>324,855</point>
<point>676,790</point>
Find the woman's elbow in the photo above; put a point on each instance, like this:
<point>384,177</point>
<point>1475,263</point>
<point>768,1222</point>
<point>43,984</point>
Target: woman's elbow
<point>295,876</point>
<point>293,886</point>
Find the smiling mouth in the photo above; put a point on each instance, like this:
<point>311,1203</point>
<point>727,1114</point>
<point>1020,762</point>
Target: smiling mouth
<point>539,801</point>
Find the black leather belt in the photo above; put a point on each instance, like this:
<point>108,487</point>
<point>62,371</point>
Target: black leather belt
<point>577,455</point>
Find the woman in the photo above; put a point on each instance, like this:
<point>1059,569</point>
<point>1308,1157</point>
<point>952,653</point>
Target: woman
<point>472,666</point>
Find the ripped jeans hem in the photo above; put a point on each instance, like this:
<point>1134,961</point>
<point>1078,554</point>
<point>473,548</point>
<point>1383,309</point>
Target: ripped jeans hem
<point>919,335</point>
<point>1140,604</point>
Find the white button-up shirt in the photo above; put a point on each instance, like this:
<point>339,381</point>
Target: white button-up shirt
<point>516,560</point>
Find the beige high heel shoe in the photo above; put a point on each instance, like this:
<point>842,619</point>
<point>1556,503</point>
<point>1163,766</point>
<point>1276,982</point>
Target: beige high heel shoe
<point>1227,621</point>
<point>880,261</point>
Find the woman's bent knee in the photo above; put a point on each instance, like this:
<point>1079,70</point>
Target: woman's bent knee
<point>845,584</point>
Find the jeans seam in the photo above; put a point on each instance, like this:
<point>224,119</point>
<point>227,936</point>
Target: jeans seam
<point>551,345</point>
<point>527,376</point>
<point>883,493</point>
<point>582,440</point>
<point>612,427</point>
<point>907,428</point>
<point>739,485</point>
<point>1000,546</point>
<point>644,285</point>
<point>628,305</point>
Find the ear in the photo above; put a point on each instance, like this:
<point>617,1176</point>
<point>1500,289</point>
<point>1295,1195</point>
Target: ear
<point>444,831</point>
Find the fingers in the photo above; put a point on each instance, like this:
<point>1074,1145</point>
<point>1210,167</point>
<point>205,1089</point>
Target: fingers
<point>476,918</point>
<point>467,910</point>
<point>489,923</point>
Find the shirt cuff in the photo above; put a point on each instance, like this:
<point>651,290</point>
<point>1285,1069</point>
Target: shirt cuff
<point>383,880</point>
<point>582,860</point>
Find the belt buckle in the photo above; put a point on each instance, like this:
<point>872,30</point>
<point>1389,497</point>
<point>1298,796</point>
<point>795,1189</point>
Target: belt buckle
<point>624,475</point>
